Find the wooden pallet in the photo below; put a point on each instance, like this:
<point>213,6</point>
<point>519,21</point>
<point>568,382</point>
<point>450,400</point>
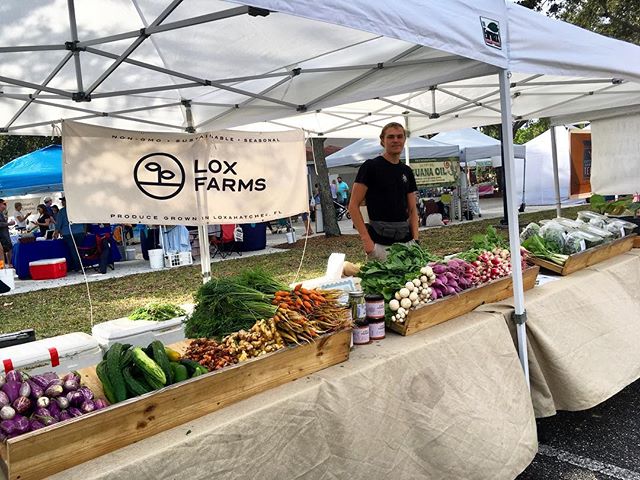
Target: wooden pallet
<point>453,306</point>
<point>58,447</point>
<point>589,257</point>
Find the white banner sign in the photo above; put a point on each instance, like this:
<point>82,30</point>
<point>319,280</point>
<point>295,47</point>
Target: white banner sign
<point>121,176</point>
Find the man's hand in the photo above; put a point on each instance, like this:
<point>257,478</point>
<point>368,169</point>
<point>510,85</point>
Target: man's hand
<point>369,245</point>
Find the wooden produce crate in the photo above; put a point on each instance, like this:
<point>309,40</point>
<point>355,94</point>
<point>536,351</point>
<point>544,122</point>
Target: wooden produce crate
<point>52,449</point>
<point>636,242</point>
<point>453,306</point>
<point>589,257</point>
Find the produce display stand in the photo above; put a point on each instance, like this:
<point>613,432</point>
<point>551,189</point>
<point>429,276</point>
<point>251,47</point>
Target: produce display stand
<point>588,257</point>
<point>453,306</point>
<point>58,447</point>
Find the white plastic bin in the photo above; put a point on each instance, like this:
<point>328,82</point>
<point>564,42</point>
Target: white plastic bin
<point>138,332</point>
<point>58,354</point>
<point>156,258</point>
<point>130,253</point>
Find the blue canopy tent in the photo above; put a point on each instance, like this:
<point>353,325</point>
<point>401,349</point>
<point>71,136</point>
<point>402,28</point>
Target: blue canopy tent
<point>35,172</point>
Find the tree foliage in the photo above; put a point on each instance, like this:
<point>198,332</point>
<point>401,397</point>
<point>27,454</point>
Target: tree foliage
<point>614,18</point>
<point>14,146</point>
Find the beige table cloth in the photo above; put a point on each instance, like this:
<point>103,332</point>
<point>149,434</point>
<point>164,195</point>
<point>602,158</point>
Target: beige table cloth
<point>447,403</point>
<point>584,335</point>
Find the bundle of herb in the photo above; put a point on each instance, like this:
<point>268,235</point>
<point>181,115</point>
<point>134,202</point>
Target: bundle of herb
<point>262,281</point>
<point>157,312</point>
<point>402,264</point>
<point>226,305</point>
<point>537,247</point>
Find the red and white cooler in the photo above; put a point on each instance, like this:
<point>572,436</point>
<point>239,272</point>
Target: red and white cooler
<point>57,354</point>
<point>48,269</point>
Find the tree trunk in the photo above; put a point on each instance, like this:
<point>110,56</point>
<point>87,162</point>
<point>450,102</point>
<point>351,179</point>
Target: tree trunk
<point>331,227</point>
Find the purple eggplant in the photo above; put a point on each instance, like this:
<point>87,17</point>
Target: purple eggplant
<point>22,405</point>
<point>62,402</point>
<point>41,381</point>
<point>42,412</point>
<point>50,376</point>
<point>75,398</point>
<point>100,403</point>
<point>70,385</point>
<point>4,399</point>
<point>55,381</point>
<point>8,427</point>
<point>46,420</point>
<point>88,406</point>
<point>86,393</point>
<point>54,391</point>
<point>14,376</point>
<point>7,412</point>
<point>25,389</point>
<point>75,412</point>
<point>72,376</point>
<point>3,379</point>
<point>12,389</point>
<point>43,402</point>
<point>36,390</point>
<point>55,409</point>
<point>65,415</point>
<point>22,424</point>
<point>35,424</point>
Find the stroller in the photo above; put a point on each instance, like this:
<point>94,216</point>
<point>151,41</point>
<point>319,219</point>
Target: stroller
<point>341,211</point>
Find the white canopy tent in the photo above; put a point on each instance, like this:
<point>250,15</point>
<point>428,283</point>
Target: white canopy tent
<point>365,148</point>
<point>326,66</point>
<point>475,145</point>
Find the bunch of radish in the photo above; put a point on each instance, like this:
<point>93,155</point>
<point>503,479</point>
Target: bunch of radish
<point>491,265</point>
<point>416,292</point>
<point>452,277</point>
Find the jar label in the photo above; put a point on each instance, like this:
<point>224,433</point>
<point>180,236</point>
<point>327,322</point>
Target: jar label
<point>375,309</point>
<point>361,311</point>
<point>376,330</point>
<point>361,335</point>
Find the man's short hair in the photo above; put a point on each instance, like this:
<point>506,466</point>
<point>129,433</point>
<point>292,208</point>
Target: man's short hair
<point>17,204</point>
<point>391,125</point>
<point>48,199</point>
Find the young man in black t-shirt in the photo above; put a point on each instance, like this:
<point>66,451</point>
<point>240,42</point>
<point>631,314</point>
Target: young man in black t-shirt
<point>389,188</point>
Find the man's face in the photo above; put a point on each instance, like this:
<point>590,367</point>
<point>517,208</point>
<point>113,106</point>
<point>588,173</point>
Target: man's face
<point>393,140</point>
<point>3,206</point>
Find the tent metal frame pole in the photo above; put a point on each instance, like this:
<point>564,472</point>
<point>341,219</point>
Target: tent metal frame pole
<point>136,91</point>
<point>570,100</point>
<point>32,48</point>
<point>36,86</point>
<point>475,102</point>
<point>407,158</point>
<point>514,230</point>
<point>402,105</point>
<point>74,38</point>
<point>556,176</point>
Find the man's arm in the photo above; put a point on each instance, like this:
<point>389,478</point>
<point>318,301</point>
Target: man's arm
<point>413,215</point>
<point>357,196</point>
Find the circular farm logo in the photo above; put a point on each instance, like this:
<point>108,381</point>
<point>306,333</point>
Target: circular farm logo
<point>159,175</point>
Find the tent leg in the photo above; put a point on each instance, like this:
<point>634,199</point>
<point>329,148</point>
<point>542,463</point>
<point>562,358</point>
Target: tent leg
<point>512,215</point>
<point>205,256</point>
<point>556,176</point>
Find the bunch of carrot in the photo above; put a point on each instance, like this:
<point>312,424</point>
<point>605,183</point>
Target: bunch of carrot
<point>299,299</point>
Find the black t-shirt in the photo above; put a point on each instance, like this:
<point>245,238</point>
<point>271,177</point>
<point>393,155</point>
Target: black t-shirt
<point>387,187</point>
<point>41,219</point>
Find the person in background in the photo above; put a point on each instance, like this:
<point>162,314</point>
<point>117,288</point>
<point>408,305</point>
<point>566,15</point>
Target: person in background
<point>54,217</point>
<point>343,192</point>
<point>334,190</point>
<point>389,188</point>
<point>72,235</point>
<point>21,218</point>
<point>47,205</point>
<point>5,238</point>
<point>44,219</point>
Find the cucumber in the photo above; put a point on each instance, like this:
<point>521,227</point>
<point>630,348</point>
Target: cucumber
<point>152,372</point>
<point>113,371</point>
<point>161,358</point>
<point>106,384</point>
<point>126,358</point>
<point>135,386</point>
<point>191,365</point>
<point>180,372</point>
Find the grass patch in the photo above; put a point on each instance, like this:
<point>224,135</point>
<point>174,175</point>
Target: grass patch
<point>66,309</point>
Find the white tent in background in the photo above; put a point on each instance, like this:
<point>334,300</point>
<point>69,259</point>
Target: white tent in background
<point>476,146</point>
<point>365,148</point>
<point>539,188</point>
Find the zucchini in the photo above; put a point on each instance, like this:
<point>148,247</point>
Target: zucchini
<point>160,357</point>
<point>114,372</point>
<point>150,369</point>
<point>180,372</point>
<point>106,384</point>
<point>135,386</point>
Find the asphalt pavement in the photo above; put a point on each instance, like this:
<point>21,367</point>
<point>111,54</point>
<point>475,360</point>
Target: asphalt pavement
<point>601,443</point>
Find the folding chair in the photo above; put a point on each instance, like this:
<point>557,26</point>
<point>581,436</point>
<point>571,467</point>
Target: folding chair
<point>96,256</point>
<point>227,242</point>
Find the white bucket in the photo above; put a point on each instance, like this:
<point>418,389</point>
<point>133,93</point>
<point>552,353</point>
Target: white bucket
<point>7,276</point>
<point>156,258</point>
<point>130,253</point>
<point>291,237</point>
